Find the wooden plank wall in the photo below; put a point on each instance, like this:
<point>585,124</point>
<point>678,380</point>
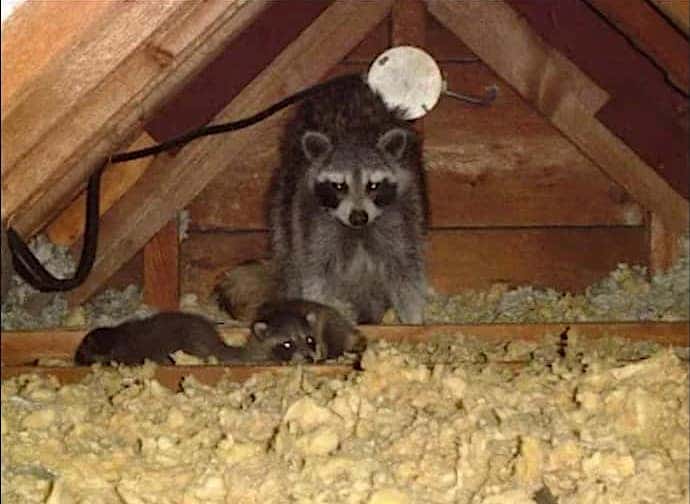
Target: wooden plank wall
<point>511,199</point>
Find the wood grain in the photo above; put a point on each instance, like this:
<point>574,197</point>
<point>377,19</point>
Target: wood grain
<point>161,287</point>
<point>562,93</point>
<point>68,227</point>
<point>503,165</point>
<point>21,348</point>
<point>678,11</point>
<point>60,25</point>
<point>567,259</point>
<point>651,34</point>
<point>206,256</point>
<point>505,42</point>
<point>89,114</point>
<point>645,112</point>
<point>664,246</point>
<point>376,41</point>
<point>623,165</point>
<point>113,39</point>
<point>172,376</point>
<point>142,212</point>
<point>408,28</point>
<point>408,23</point>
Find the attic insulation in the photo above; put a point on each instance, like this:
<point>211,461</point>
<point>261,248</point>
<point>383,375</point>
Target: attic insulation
<point>27,308</point>
<point>626,294</point>
<point>442,421</point>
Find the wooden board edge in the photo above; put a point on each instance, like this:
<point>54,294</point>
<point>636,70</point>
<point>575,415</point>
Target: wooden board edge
<point>16,345</point>
<point>172,376</point>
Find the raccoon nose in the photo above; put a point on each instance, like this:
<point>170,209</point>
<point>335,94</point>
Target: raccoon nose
<point>358,218</point>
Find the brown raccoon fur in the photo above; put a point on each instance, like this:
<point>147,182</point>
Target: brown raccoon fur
<point>328,333</point>
<point>243,289</point>
<point>153,338</point>
<point>284,333</point>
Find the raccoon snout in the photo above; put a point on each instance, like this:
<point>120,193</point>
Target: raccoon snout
<point>358,218</point>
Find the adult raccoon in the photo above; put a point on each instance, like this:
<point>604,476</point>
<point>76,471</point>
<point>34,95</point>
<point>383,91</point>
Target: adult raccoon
<point>348,209</point>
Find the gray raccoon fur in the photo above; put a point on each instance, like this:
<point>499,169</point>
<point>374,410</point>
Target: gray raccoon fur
<point>358,248</point>
<point>327,333</point>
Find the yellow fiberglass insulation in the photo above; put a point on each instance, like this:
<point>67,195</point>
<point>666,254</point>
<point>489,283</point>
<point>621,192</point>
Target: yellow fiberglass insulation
<point>422,423</point>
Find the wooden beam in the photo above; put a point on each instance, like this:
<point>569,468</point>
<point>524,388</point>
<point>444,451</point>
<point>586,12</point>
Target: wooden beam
<point>408,23</point>
<point>144,209</point>
<point>503,175</point>
<point>171,376</point>
<point>651,34</point>
<point>68,227</point>
<point>566,259</point>
<point>115,38</point>
<point>678,11</point>
<point>505,42</point>
<point>162,269</point>
<point>562,93</point>
<point>73,119</point>
<point>654,131</point>
<point>40,32</point>
<point>664,246</point>
<point>21,348</point>
<point>621,163</point>
<point>408,28</point>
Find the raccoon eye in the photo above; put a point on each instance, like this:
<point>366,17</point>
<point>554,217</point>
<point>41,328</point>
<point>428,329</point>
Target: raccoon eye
<point>339,186</point>
<point>287,345</point>
<point>311,342</point>
<point>372,186</point>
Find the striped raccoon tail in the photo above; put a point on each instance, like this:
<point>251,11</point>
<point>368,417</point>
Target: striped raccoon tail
<point>243,289</point>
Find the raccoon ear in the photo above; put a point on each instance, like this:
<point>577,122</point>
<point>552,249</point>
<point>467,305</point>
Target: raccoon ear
<point>316,146</point>
<point>259,330</point>
<point>393,142</point>
<point>311,318</point>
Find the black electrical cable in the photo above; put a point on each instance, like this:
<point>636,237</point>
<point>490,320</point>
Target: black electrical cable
<point>33,272</point>
<point>234,125</point>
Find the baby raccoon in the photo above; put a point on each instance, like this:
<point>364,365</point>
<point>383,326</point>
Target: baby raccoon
<point>286,332</point>
<point>154,338</point>
<point>305,330</point>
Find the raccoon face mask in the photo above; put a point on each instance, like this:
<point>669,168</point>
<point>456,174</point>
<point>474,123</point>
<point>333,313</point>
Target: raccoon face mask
<point>354,182</point>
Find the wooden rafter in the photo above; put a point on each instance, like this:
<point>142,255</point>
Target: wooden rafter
<point>23,347</point>
<point>19,349</point>
<point>171,183</point>
<point>25,54</point>
<point>408,23</point>
<point>650,33</point>
<point>68,227</point>
<point>677,11</point>
<point>162,269</point>
<point>408,28</point>
<point>58,132</point>
<point>664,247</point>
<point>562,93</point>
